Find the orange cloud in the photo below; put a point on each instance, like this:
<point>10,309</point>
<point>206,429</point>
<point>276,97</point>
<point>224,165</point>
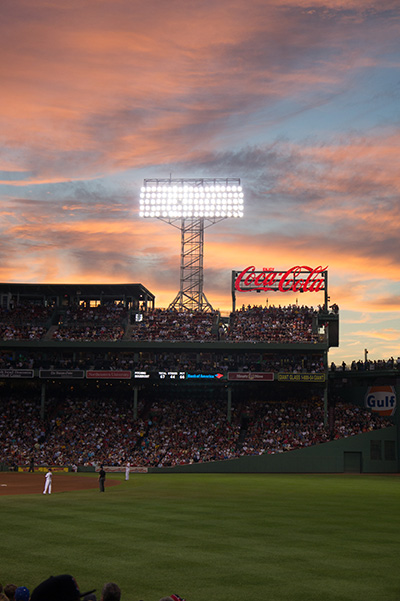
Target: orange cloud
<point>87,88</point>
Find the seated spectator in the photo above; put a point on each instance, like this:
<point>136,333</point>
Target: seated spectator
<point>58,588</point>
<point>22,594</point>
<point>111,592</point>
<point>9,591</point>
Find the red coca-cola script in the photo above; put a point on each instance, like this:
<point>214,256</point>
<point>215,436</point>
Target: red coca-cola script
<point>300,278</point>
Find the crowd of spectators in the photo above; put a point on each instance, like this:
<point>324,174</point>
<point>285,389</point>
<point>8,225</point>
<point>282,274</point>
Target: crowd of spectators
<point>242,362</point>
<point>109,321</point>
<point>162,325</point>
<point>89,333</point>
<point>167,432</point>
<point>291,324</point>
<point>106,322</point>
<point>112,321</point>
<point>368,365</point>
<point>32,321</point>
<point>75,431</point>
<point>192,362</point>
<point>65,587</point>
<point>104,314</point>
<point>90,430</point>
<point>25,321</point>
<point>25,314</point>
<point>14,332</point>
<point>277,427</point>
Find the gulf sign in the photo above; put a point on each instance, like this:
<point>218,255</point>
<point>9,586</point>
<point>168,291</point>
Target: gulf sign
<point>381,399</point>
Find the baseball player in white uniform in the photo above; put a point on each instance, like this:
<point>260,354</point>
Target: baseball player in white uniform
<point>47,482</point>
<point>128,465</point>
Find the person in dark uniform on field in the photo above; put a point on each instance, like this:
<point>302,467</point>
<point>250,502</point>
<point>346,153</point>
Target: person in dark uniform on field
<point>102,479</point>
<point>31,465</point>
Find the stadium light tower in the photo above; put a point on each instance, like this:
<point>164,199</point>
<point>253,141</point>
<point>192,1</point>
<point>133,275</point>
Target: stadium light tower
<point>191,205</point>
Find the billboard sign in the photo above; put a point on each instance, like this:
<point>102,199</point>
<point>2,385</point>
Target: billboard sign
<point>299,278</point>
<point>381,399</point>
<point>250,376</point>
<point>291,377</point>
<point>16,373</point>
<point>209,376</point>
<point>62,374</point>
<point>102,374</point>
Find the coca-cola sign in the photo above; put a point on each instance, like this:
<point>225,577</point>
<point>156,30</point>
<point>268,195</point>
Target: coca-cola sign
<point>299,278</point>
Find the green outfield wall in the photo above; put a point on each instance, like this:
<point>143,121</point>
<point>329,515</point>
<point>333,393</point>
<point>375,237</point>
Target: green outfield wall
<point>373,452</point>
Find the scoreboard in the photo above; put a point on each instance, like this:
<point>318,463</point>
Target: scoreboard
<point>157,375</point>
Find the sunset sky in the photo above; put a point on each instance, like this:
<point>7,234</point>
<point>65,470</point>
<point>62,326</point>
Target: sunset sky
<point>299,99</point>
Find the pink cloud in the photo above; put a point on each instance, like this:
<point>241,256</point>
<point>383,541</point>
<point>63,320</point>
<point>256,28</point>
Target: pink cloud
<point>96,89</point>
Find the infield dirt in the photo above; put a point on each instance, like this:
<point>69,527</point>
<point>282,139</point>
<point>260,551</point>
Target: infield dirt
<point>21,483</point>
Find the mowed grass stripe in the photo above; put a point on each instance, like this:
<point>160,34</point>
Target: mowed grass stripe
<point>220,536</point>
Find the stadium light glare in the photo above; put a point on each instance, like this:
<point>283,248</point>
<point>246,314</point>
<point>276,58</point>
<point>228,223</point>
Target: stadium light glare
<point>178,201</point>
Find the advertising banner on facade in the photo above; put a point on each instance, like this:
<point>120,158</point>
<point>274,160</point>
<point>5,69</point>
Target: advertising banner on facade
<point>250,376</point>
<point>16,373</point>
<point>102,374</point>
<point>208,376</point>
<point>301,377</point>
<point>62,374</point>
<point>381,399</point>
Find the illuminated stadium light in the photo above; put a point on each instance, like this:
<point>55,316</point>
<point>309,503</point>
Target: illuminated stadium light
<point>191,205</point>
<point>191,199</point>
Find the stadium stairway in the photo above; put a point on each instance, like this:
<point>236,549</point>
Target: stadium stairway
<point>128,332</point>
<point>49,333</point>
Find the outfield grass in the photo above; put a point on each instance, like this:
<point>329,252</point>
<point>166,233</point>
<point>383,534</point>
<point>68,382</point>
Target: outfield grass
<point>213,537</point>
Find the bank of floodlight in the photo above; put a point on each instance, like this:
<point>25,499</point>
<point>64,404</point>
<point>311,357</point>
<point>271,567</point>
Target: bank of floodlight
<point>191,200</point>
<point>191,205</point>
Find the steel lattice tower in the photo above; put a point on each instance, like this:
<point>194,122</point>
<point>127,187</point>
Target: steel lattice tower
<point>191,205</point>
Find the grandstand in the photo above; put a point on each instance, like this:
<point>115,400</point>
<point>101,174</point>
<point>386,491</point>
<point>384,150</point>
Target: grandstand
<point>95,374</point>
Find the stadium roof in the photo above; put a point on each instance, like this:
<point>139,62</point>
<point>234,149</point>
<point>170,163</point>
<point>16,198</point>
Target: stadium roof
<point>132,292</point>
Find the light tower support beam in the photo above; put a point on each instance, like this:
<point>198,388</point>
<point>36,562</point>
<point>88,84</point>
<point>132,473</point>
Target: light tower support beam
<point>191,294</point>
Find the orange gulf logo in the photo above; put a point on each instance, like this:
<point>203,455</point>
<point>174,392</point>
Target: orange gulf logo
<point>381,399</point>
